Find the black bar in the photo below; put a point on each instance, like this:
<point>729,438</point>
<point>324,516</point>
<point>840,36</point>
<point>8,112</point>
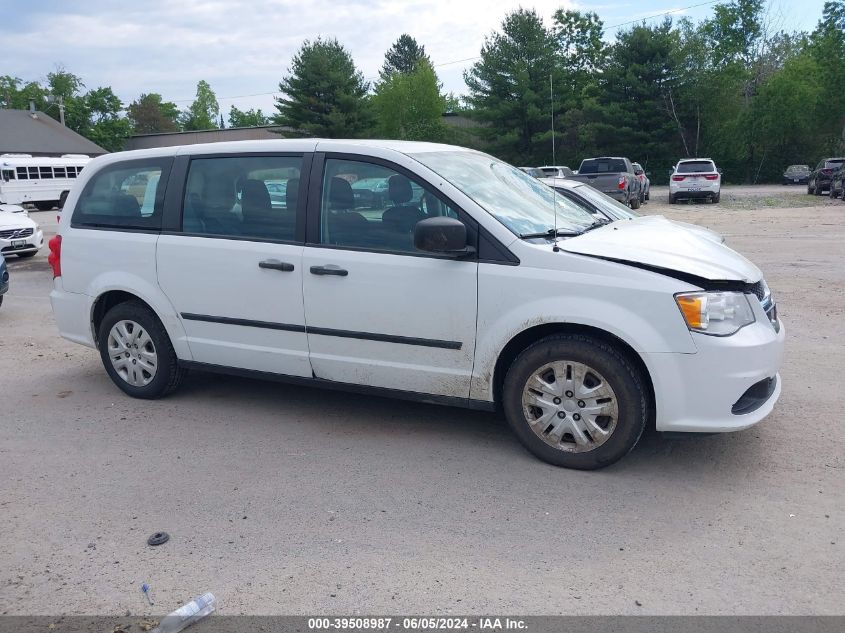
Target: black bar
<point>323,331</point>
<point>268,325</point>
<point>386,338</point>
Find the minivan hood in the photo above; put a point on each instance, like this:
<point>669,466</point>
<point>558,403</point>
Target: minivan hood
<point>659,243</point>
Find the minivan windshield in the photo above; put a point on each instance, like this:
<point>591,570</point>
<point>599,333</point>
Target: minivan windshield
<point>522,203</point>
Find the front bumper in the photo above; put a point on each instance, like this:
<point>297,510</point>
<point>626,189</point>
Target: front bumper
<point>30,244</point>
<point>708,391</point>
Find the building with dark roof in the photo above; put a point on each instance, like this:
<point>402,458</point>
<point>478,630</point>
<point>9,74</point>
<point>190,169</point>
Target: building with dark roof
<point>35,133</point>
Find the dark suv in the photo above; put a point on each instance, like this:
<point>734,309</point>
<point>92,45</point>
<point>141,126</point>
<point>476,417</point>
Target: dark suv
<point>821,176</point>
<point>837,183</point>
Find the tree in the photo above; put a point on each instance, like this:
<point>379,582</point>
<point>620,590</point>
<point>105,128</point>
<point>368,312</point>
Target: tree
<point>580,40</point>
<point>324,94</point>
<point>409,105</point>
<point>202,114</point>
<point>403,57</point>
<point>150,115</point>
<point>250,118</point>
<point>509,88</point>
<point>64,87</point>
<point>106,127</point>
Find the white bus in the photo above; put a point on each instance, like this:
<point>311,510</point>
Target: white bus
<point>38,180</point>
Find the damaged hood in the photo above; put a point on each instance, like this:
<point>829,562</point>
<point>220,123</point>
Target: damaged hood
<point>659,243</point>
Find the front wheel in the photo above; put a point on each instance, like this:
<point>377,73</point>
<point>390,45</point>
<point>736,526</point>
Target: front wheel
<point>575,401</point>
<point>137,353</point>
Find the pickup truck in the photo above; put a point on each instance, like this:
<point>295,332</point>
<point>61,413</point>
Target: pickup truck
<point>613,176</point>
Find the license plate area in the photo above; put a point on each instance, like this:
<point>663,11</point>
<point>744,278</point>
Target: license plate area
<point>18,243</point>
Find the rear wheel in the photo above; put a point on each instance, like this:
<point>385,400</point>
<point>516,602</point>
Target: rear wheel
<point>137,353</point>
<point>672,199</point>
<point>635,202</point>
<point>575,401</point>
<point>816,189</point>
<point>717,197</point>
<point>810,191</point>
<point>648,194</point>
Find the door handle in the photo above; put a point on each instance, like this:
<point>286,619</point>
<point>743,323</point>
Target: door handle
<point>275,264</point>
<point>329,269</point>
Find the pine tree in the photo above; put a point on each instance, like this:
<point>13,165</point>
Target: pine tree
<point>324,94</point>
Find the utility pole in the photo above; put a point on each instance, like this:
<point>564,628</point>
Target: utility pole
<point>61,110</point>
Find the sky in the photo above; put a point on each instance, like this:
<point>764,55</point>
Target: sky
<point>244,47</point>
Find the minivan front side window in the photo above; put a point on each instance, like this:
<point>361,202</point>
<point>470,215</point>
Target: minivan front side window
<point>367,205</point>
<point>522,203</point>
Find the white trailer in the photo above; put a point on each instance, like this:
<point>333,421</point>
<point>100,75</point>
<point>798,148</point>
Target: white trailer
<point>38,180</point>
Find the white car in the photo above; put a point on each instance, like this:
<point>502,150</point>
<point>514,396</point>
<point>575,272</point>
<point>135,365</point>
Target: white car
<point>13,208</point>
<point>19,234</point>
<point>469,283</point>
<point>695,179</point>
<point>602,205</point>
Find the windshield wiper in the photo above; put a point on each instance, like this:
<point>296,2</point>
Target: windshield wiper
<point>599,222</point>
<point>550,234</point>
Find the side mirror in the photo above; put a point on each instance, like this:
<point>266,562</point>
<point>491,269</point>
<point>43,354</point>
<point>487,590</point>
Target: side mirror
<point>442,235</point>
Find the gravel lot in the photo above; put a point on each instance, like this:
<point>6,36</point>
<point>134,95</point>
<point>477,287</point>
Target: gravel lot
<point>289,500</point>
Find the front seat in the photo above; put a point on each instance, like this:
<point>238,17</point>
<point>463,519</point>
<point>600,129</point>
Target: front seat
<point>345,225</point>
<point>402,216</point>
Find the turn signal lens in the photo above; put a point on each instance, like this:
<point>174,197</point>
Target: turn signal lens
<point>692,307</point>
<point>716,313</point>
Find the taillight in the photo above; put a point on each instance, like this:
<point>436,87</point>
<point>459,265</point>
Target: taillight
<point>827,172</point>
<point>678,178</point>
<point>621,184</point>
<point>55,256</point>
<point>711,176</point>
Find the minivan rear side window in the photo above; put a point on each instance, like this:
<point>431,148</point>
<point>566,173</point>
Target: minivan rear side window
<point>128,195</point>
<point>243,197</point>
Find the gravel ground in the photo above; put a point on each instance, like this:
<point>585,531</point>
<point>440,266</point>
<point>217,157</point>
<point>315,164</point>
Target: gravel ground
<point>288,500</point>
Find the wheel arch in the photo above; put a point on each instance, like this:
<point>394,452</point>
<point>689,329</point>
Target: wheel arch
<point>110,297</point>
<point>531,335</point>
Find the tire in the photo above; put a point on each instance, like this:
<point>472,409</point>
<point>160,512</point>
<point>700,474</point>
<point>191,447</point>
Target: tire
<point>672,199</point>
<point>635,203</point>
<point>25,255</point>
<point>44,206</point>
<point>1,300</point>
<point>648,194</point>
<point>148,385</point>
<point>810,191</point>
<point>816,189</point>
<point>715,199</point>
<point>605,369</point>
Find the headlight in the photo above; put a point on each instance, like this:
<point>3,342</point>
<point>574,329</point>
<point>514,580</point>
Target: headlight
<point>716,313</point>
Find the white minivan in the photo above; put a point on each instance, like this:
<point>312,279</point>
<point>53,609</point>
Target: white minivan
<point>444,276</point>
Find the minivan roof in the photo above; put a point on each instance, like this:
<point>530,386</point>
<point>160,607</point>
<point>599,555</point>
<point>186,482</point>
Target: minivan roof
<point>286,145</point>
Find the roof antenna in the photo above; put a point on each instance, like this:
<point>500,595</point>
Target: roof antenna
<point>555,247</point>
